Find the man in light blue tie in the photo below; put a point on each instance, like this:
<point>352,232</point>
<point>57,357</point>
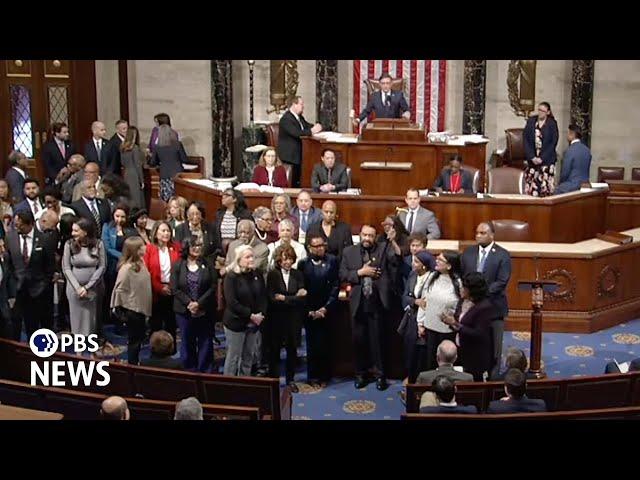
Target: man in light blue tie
<point>306,213</point>
<point>494,262</point>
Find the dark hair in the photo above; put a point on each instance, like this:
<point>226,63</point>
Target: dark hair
<point>284,250</point>
<point>477,286</point>
<point>91,242</point>
<point>516,383</point>
<point>489,223</point>
<point>401,231</point>
<point>119,187</point>
<point>136,213</point>
<point>66,223</point>
<point>385,75</point>
<point>293,100</point>
<point>444,388</point>
<point>577,131</point>
<point>15,156</point>
<point>238,196</point>
<point>132,138</point>
<point>162,119</point>
<point>516,359</point>
<point>313,236</point>
<point>325,150</point>
<point>548,105</point>
<point>56,127</point>
<point>121,206</point>
<point>413,189</point>
<point>419,237</point>
<point>200,206</point>
<point>161,343</point>
<point>31,180</point>
<point>456,157</point>
<point>52,191</point>
<point>154,233</point>
<point>25,216</point>
<point>189,242</point>
<point>121,121</point>
<point>453,259</point>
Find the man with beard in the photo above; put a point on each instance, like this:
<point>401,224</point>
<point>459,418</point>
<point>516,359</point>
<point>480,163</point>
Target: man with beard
<point>369,268</point>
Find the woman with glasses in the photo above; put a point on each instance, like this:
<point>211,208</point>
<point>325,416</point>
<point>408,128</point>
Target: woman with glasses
<point>193,285</point>
<point>540,142</point>
<point>263,218</point>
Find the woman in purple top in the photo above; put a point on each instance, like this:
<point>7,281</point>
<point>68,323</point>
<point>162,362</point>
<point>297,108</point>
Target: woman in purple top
<point>159,119</point>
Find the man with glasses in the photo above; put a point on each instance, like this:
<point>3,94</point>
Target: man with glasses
<point>91,173</point>
<point>320,271</point>
<point>264,220</point>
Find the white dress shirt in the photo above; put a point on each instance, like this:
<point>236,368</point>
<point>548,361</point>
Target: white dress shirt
<point>20,171</point>
<point>286,274</point>
<point>32,205</point>
<point>165,265</point>
<point>29,243</point>
<point>415,217</point>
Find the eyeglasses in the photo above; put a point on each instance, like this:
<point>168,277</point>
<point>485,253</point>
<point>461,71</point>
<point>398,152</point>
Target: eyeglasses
<point>268,220</point>
<point>322,245</point>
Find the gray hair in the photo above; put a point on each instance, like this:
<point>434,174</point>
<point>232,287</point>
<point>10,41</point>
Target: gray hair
<point>246,223</point>
<point>285,223</point>
<point>447,352</point>
<point>239,251</point>
<point>189,409</point>
<point>259,212</point>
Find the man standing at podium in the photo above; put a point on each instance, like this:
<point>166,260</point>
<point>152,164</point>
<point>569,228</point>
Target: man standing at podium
<point>385,103</point>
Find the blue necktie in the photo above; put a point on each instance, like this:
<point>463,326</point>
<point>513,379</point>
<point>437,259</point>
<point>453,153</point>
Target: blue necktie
<point>483,259</point>
<point>304,221</point>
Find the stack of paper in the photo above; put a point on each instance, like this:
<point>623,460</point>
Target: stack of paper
<point>256,148</point>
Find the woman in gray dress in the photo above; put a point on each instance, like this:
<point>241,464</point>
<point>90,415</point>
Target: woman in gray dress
<point>84,263</point>
<point>132,159</point>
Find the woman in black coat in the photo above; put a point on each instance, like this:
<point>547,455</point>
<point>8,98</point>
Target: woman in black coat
<point>540,142</point>
<point>193,285</point>
<point>287,299</point>
<point>168,155</point>
<point>246,305</point>
<point>198,226</point>
<point>472,321</point>
<point>337,234</point>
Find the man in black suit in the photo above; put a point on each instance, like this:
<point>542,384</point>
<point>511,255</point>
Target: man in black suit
<point>494,262</point>
<point>96,150</point>
<point>91,207</point>
<point>385,102</point>
<point>454,179</point>
<point>516,401</point>
<point>445,390</point>
<point>32,202</point>
<point>370,269</point>
<point>113,163</point>
<point>293,126</point>
<point>31,261</point>
<point>16,175</point>
<point>329,175</point>
<point>57,151</point>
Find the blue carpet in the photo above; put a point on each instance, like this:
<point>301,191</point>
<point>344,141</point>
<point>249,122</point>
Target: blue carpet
<point>564,355</point>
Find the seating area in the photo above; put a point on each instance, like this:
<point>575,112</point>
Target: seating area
<point>624,413</point>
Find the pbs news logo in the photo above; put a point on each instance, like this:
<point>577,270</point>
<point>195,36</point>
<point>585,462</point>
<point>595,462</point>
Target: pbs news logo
<point>58,373</point>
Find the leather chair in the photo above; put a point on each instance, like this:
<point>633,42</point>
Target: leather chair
<point>349,177</point>
<point>507,230</point>
<point>157,209</point>
<point>635,174</point>
<point>272,134</point>
<point>610,173</point>
<point>505,180</point>
<point>397,84</point>
<point>513,155</point>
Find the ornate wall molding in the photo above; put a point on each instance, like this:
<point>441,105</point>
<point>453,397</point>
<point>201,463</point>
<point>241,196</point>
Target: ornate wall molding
<point>608,281</point>
<point>222,118</point>
<point>475,76</point>
<point>582,96</point>
<point>327,94</point>
<point>567,288</point>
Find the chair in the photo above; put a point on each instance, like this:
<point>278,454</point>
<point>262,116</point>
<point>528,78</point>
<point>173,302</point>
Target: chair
<point>157,209</point>
<point>635,174</point>
<point>397,84</point>
<point>273,130</point>
<point>513,155</point>
<point>505,180</point>
<point>610,173</point>
<point>349,177</point>
<point>507,230</point>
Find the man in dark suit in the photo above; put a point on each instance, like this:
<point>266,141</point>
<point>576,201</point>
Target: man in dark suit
<point>370,269</point>
<point>329,176</point>
<point>419,219</point>
<point>305,212</point>
<point>31,261</point>
<point>446,356</point>
<point>516,401</point>
<point>292,126</point>
<point>576,162</point>
<point>70,176</point>
<point>445,390</point>
<point>385,102</point>
<point>162,344</point>
<point>113,163</point>
<point>32,202</point>
<point>614,367</point>
<point>91,207</point>
<point>494,262</point>
<point>16,175</point>
<point>57,151</point>
<point>454,179</point>
<point>515,359</point>
<point>96,150</point>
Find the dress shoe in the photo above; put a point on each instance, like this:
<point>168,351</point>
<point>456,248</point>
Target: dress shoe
<point>293,387</point>
<point>360,382</point>
<point>381,384</point>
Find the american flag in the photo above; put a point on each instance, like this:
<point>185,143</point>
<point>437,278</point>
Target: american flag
<point>425,84</point>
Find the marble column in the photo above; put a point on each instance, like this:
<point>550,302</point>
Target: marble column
<point>475,75</point>
<point>327,94</point>
<point>582,96</point>
<point>222,118</point>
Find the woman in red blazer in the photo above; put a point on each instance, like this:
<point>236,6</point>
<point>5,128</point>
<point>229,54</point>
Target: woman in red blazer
<point>161,254</point>
<point>270,171</point>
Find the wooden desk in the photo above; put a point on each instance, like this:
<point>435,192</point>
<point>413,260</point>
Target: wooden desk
<point>427,160</point>
<point>623,205</point>
<point>16,413</point>
<point>564,218</point>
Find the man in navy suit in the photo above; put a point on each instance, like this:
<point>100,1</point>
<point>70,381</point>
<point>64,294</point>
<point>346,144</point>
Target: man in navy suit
<point>516,401</point>
<point>95,150</point>
<point>305,212</point>
<point>57,151</point>
<point>32,200</point>
<point>494,262</point>
<point>385,102</point>
<point>576,162</point>
<point>445,390</point>
<point>16,175</point>
<point>292,126</point>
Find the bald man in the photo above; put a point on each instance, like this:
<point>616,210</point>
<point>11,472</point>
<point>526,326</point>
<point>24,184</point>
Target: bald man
<point>91,172</point>
<point>48,221</point>
<point>446,356</point>
<point>94,149</point>
<point>115,408</point>
<point>340,235</point>
<point>306,213</point>
<point>70,176</point>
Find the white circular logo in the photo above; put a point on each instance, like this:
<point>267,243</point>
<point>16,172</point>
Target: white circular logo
<point>43,343</point>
